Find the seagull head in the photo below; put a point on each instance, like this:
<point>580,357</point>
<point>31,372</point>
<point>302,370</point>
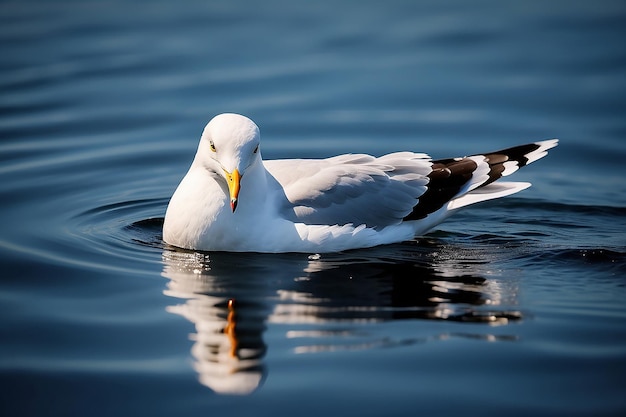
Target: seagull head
<point>228,147</point>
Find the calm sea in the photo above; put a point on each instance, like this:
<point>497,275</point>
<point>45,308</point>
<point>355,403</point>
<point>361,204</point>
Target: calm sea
<point>512,307</point>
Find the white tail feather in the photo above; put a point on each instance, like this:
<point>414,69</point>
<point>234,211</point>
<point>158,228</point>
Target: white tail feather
<point>488,192</point>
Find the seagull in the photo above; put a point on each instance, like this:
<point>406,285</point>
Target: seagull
<point>232,200</point>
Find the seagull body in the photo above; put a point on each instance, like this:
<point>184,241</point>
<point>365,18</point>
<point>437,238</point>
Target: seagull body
<point>232,200</point>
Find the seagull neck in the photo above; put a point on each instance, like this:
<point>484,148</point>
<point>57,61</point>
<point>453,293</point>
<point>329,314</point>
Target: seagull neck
<point>257,174</point>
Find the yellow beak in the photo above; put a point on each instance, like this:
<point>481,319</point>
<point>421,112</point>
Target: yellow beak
<point>233,181</point>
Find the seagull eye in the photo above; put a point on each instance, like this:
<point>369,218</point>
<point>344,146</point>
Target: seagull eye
<point>212,146</point>
<point>256,149</point>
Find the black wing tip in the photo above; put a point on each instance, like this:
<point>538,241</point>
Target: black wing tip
<point>449,176</point>
<point>524,154</point>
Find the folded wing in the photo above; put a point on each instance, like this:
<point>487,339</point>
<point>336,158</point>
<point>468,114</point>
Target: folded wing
<point>352,189</point>
<point>378,192</point>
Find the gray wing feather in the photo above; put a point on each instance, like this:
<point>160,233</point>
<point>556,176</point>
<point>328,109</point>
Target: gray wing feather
<point>355,188</point>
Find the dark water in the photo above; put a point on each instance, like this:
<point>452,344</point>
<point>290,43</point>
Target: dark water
<point>511,307</point>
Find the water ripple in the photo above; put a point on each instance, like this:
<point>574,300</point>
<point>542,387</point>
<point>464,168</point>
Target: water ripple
<point>123,228</point>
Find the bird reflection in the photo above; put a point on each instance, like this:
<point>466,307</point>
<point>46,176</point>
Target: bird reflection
<point>230,298</point>
<point>228,346</point>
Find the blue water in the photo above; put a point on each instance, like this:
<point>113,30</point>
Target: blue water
<point>512,307</point>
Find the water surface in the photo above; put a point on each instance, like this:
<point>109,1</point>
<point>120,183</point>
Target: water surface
<point>511,307</point>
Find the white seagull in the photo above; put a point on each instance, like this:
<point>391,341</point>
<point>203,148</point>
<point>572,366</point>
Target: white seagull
<point>232,200</point>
